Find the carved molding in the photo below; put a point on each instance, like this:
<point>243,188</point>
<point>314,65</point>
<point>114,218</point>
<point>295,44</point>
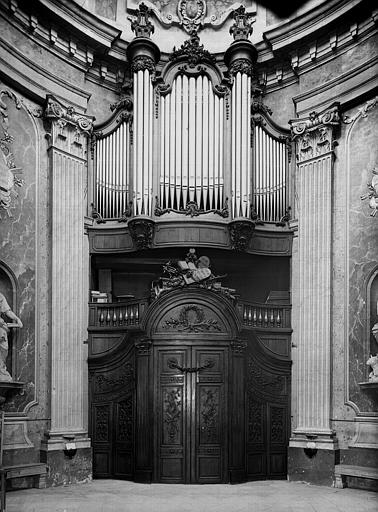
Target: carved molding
<point>10,174</point>
<point>191,209</point>
<point>241,232</point>
<point>56,112</point>
<point>142,232</point>
<point>122,377</point>
<point>362,111</point>
<point>314,135</point>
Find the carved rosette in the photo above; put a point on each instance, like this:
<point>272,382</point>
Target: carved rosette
<point>314,135</point>
<point>241,232</point>
<point>142,232</point>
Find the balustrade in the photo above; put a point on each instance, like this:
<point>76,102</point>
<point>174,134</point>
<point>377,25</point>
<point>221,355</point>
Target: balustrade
<point>265,316</point>
<point>115,315</point>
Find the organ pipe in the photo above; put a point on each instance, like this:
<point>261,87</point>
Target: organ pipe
<point>112,169</point>
<point>269,175</point>
<point>191,145</point>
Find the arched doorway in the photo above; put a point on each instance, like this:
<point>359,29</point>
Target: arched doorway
<point>192,334</point>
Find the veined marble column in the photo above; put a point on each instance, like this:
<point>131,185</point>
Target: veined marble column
<point>314,139</point>
<point>68,134</point>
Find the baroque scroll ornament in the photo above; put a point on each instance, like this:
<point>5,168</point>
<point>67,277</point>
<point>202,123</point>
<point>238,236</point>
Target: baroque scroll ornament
<point>372,195</point>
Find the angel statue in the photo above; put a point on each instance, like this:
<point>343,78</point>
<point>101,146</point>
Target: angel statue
<point>5,311</point>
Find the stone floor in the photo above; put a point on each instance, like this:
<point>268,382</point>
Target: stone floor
<point>121,496</point>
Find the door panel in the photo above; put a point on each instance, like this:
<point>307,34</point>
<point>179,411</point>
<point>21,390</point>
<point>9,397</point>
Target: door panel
<point>190,412</point>
<point>171,416</point>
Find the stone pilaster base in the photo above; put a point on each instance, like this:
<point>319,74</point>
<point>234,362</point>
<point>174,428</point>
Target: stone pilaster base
<point>68,459</point>
<point>312,459</point>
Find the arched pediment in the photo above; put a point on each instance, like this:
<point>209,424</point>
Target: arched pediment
<point>192,313</point>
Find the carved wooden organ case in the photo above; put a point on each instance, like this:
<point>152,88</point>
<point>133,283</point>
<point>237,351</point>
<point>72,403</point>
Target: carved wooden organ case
<point>191,386</point>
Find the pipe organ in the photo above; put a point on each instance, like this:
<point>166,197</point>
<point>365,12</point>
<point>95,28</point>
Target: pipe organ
<point>198,143</point>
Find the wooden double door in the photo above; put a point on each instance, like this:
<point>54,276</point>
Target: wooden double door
<point>190,414</point>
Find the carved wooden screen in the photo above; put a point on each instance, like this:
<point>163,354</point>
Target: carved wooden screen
<point>112,397</point>
<point>267,419</point>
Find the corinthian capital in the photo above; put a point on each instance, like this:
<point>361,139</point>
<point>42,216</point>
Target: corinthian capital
<point>56,111</point>
<point>314,135</point>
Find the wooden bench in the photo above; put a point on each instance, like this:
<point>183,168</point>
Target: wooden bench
<point>344,470</point>
<point>36,470</point>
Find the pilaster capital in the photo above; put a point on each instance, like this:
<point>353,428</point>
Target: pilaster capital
<point>66,117</point>
<point>314,135</point>
<point>238,346</point>
<point>143,346</point>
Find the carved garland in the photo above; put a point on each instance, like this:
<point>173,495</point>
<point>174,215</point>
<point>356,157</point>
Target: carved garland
<point>186,323</point>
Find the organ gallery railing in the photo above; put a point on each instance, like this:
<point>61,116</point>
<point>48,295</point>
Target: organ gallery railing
<point>127,315</point>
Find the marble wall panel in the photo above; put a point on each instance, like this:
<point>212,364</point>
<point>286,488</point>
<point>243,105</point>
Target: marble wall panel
<point>18,249</point>
<point>363,251</point>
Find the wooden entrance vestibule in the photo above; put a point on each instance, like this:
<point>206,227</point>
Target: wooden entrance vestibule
<point>190,395</point>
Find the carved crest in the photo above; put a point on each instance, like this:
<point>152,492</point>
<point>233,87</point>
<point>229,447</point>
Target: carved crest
<point>192,319</point>
<point>191,14</point>
<point>192,51</point>
<point>241,232</point>
<point>141,231</point>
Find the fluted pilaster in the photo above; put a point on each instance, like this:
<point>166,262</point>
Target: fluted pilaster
<point>67,134</point>
<point>314,139</point>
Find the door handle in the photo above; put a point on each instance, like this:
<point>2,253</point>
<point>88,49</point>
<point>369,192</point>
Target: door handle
<point>173,364</point>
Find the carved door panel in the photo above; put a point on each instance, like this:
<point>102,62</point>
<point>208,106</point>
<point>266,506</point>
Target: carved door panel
<point>190,415</point>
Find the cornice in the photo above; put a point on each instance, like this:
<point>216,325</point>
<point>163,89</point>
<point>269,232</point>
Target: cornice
<point>292,31</point>
<point>34,81</point>
<point>74,16</point>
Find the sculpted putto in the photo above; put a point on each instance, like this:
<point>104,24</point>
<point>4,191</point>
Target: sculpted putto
<point>373,362</point>
<point>5,311</point>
